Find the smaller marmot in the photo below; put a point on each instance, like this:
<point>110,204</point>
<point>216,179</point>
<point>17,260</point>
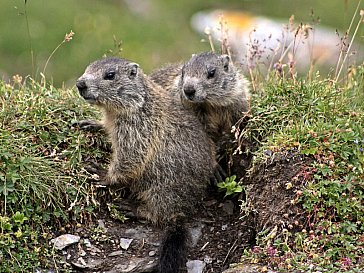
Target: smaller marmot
<point>210,86</point>
<point>160,150</point>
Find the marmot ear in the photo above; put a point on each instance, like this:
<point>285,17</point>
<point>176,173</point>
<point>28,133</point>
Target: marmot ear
<point>225,61</point>
<point>133,70</point>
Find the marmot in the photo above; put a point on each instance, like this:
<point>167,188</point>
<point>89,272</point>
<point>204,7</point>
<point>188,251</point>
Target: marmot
<point>210,86</point>
<point>160,151</point>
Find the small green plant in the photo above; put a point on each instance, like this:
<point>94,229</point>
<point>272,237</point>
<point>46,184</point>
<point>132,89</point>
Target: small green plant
<point>19,242</point>
<point>230,186</point>
<point>117,50</point>
<point>115,213</point>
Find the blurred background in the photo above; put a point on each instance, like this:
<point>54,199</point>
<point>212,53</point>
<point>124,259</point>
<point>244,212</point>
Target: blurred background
<point>150,32</point>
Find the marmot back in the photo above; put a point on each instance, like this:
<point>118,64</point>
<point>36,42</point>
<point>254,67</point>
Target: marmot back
<point>164,159</point>
<point>168,77</point>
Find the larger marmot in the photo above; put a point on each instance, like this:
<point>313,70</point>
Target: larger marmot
<point>160,150</point>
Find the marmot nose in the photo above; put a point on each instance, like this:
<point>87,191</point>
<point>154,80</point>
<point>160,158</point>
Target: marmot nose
<point>189,91</point>
<point>81,85</point>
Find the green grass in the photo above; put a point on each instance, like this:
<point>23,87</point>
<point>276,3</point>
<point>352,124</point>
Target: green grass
<point>150,39</point>
<point>42,182</point>
<point>43,185</point>
<point>324,121</point>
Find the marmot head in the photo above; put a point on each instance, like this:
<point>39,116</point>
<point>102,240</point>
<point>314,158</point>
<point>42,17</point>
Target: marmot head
<point>207,78</point>
<point>113,83</point>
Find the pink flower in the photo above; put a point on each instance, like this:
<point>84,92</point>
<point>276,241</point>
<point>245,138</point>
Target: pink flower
<point>345,262</point>
<point>271,251</point>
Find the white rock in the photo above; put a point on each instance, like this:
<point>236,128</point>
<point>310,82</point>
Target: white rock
<point>65,240</point>
<point>195,233</point>
<point>195,266</point>
<point>87,242</point>
<point>125,243</point>
<point>115,253</point>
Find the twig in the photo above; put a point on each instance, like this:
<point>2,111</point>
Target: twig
<point>68,37</point>
<point>29,37</point>
<point>352,40</point>
<point>234,246</point>
<point>204,246</point>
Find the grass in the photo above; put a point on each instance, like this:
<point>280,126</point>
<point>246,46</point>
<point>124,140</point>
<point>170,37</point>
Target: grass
<point>149,39</point>
<point>42,182</point>
<point>43,185</point>
<point>324,121</point>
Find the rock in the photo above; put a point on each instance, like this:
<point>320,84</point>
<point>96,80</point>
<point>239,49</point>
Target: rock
<point>195,233</point>
<point>125,243</point>
<point>115,253</point>
<point>134,265</point>
<point>151,253</point>
<point>91,263</point>
<point>136,233</point>
<point>207,259</point>
<point>101,225</point>
<point>195,266</point>
<point>81,261</point>
<point>82,253</point>
<point>65,240</point>
<point>228,207</point>
<point>87,243</point>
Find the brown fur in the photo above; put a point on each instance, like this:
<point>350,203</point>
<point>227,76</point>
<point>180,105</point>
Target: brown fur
<point>160,150</point>
<point>165,159</point>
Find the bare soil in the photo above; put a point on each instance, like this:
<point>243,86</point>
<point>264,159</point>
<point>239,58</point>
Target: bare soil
<point>270,197</point>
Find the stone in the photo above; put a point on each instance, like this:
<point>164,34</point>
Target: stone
<point>151,253</point>
<point>195,266</point>
<point>65,240</point>
<point>115,253</point>
<point>125,243</point>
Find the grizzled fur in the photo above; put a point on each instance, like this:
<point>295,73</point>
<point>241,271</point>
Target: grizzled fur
<point>210,86</point>
<point>168,77</point>
<point>164,159</point>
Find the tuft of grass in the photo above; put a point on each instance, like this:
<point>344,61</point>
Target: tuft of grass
<point>324,121</point>
<point>41,171</point>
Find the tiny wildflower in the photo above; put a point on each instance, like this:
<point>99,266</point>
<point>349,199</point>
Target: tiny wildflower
<point>346,262</point>
<point>271,251</point>
<point>17,79</point>
<point>68,37</point>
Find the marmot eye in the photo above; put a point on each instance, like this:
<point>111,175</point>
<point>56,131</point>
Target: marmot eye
<point>211,73</point>
<point>110,75</point>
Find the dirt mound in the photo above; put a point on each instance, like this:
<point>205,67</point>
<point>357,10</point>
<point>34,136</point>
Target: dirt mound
<point>219,234</point>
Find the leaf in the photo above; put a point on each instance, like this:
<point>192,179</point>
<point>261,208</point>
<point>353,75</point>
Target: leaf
<point>309,151</point>
<point>6,187</point>
<point>19,218</point>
